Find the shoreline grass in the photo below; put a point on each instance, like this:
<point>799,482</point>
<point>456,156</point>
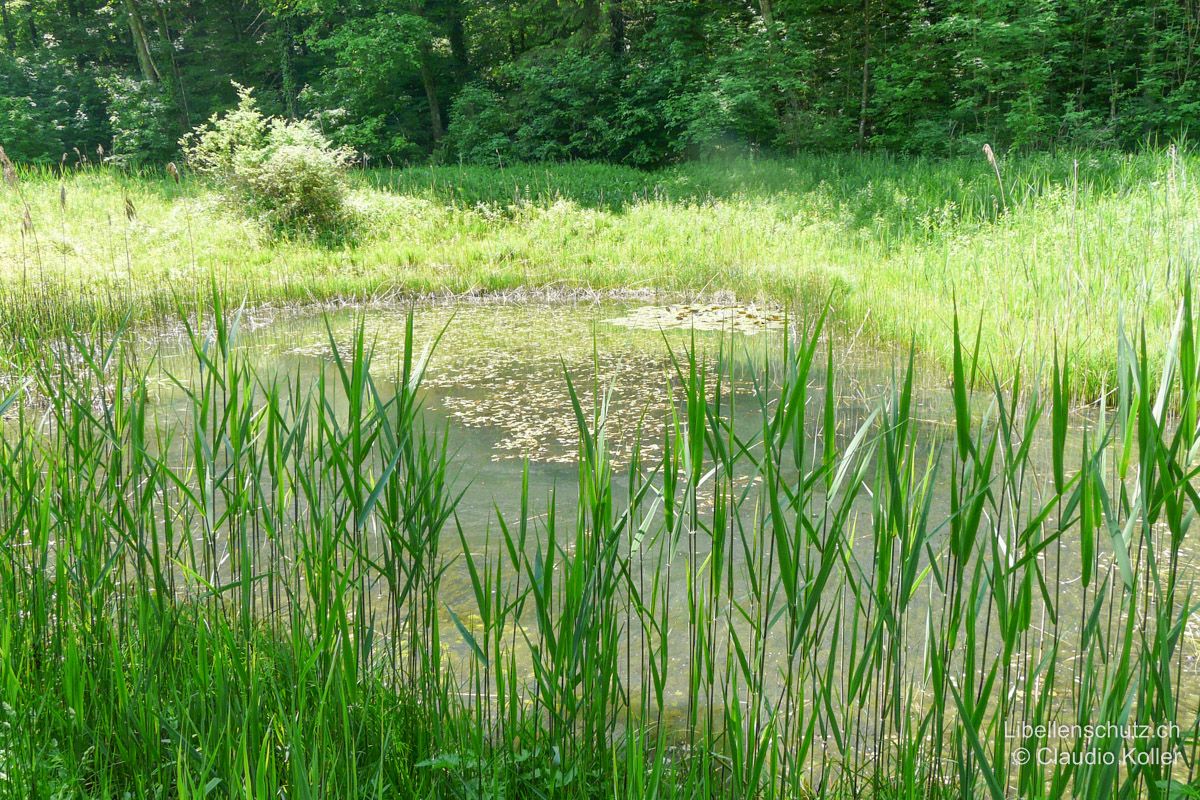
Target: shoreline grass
<point>1051,255</point>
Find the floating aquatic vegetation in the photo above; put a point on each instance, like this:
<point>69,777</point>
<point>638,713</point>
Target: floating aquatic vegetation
<point>527,401</point>
<point>748,319</point>
<point>501,366</point>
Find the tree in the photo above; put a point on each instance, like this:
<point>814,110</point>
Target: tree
<point>141,43</point>
<point>638,81</point>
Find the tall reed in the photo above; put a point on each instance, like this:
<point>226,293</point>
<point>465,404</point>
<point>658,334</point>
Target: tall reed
<point>243,593</point>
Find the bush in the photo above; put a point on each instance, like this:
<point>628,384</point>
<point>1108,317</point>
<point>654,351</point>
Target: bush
<point>143,131</point>
<point>285,171</point>
<point>25,130</point>
<point>48,106</point>
<point>480,130</point>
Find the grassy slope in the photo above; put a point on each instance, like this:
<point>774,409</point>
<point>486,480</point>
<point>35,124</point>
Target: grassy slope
<point>1073,240</point>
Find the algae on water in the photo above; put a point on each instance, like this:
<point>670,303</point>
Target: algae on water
<point>748,319</point>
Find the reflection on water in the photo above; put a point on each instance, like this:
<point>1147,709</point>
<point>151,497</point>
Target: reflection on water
<point>497,372</point>
<point>497,379</point>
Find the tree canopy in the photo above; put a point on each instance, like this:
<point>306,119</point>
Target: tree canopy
<point>641,82</point>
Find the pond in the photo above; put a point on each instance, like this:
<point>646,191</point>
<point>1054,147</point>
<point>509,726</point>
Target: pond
<point>496,381</point>
<point>496,385</point>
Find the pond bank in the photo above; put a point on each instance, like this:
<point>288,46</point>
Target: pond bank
<point>893,245</point>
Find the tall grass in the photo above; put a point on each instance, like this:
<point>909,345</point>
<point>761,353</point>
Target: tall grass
<point>1072,241</point>
<point>247,598</point>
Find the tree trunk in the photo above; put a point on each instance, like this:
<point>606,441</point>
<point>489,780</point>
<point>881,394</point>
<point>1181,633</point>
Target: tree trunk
<point>768,12</point>
<point>31,27</point>
<point>427,81</point>
<point>616,26</point>
<point>141,44</point>
<point>164,32</point>
<point>866,74</point>
<point>435,109</point>
<point>458,39</point>
<point>8,34</point>
<point>591,19</point>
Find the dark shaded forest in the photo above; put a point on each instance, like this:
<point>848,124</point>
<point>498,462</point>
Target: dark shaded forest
<point>639,82</point>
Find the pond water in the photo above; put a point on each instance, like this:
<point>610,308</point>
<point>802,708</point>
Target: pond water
<point>496,381</point>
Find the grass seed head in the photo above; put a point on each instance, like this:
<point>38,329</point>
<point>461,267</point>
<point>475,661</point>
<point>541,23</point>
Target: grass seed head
<point>10,172</point>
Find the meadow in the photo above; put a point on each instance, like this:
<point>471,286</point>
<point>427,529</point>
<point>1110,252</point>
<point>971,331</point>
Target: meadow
<point>1039,250</point>
<point>265,588</point>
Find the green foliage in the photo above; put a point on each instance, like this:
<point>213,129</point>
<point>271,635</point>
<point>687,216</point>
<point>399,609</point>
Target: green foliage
<point>746,94</point>
<point>975,71</point>
<point>285,171</point>
<point>143,132</point>
<point>716,83</point>
<point>561,106</point>
<point>187,663</point>
<point>25,130</point>
<point>642,83</point>
<point>48,106</point>
<point>553,106</point>
<point>481,126</point>
<point>357,95</point>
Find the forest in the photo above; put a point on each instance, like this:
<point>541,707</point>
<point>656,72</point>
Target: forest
<point>639,82</point>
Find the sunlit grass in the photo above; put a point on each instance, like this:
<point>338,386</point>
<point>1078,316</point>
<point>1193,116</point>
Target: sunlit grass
<point>1058,249</point>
